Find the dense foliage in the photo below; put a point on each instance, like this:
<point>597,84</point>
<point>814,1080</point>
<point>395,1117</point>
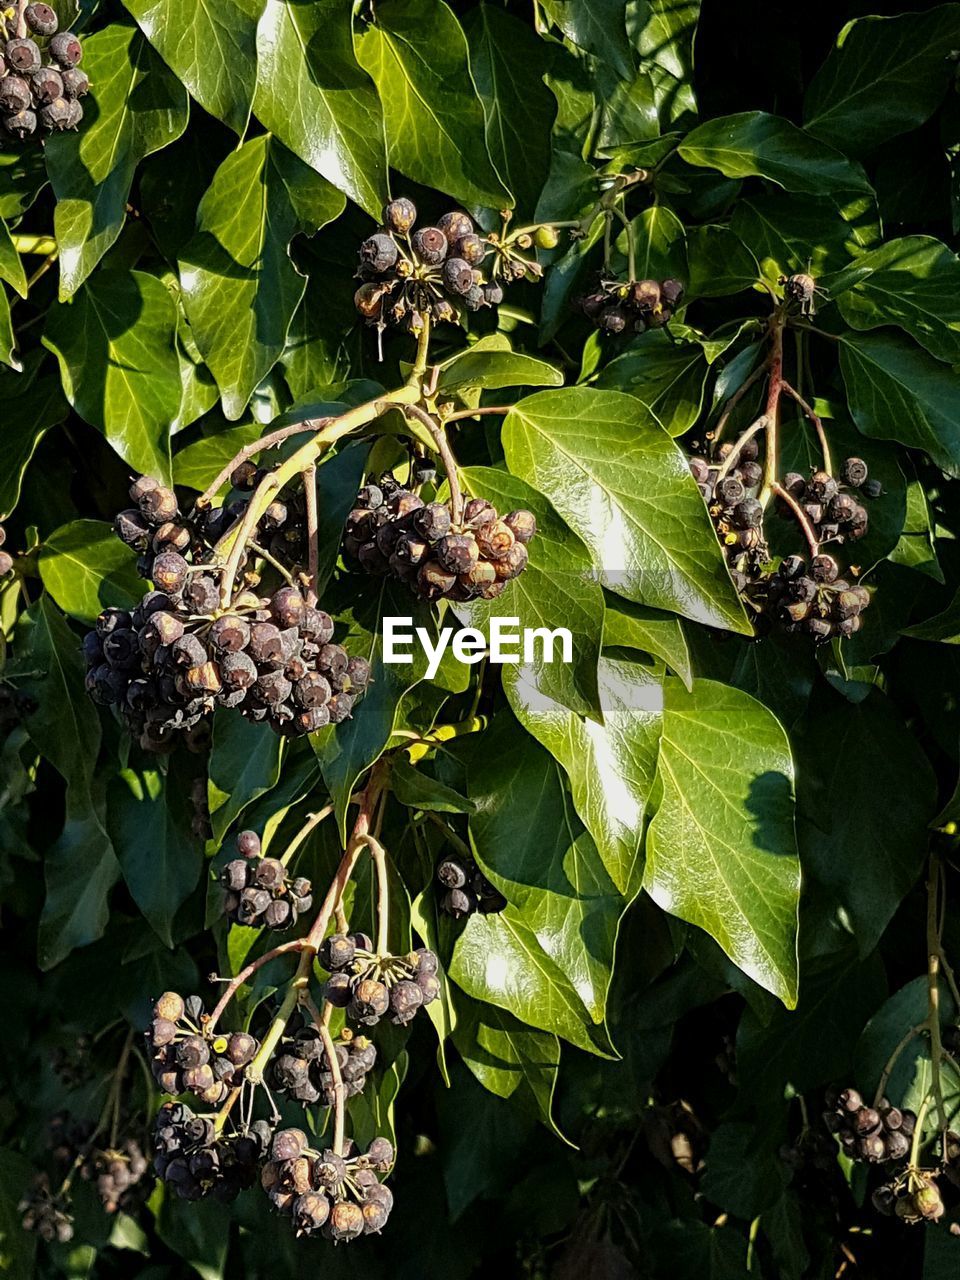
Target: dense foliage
<point>635,317</point>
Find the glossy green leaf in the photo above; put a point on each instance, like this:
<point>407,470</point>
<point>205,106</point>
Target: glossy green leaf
<point>618,480</point>
<point>720,263</point>
<point>561,922</point>
<point>666,375</point>
<point>86,567</point>
<point>319,102</point>
<point>912,283</point>
<point>8,340</point>
<point>870,751</point>
<point>11,265</point>
<point>116,345</point>
<point>148,817</point>
<point>488,363</point>
<point>508,63</point>
<point>338,479</point>
<point>558,588</point>
<point>506,1056</point>
<point>140,108</point>
<point>597,26</point>
<point>660,243</point>
<point>611,766</point>
<point>240,287</point>
<point>633,626</point>
<point>898,392</point>
<point>884,77</point>
<point>663,32</point>
<point>944,626</point>
<point>213,51</point>
<point>418,57</point>
<point>23,176</point>
<point>916,548</point>
<point>755,144</point>
<point>790,233</point>
<point>417,790</point>
<point>244,763</point>
<point>722,850</point>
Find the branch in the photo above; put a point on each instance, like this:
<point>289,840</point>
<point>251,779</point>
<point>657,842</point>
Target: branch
<point>933,993</point>
<point>269,441</point>
<point>446,453</point>
<point>771,460</point>
<point>737,396</point>
<point>330,1052</point>
<point>313,549</point>
<point>379,855</point>
<point>731,458</point>
<point>817,424</point>
<point>778,490</point>
<point>235,983</point>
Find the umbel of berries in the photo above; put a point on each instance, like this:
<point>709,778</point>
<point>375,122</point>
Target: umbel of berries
<point>194,1161</point>
<point>326,1192</point>
<point>393,531</point>
<point>175,657</point>
<point>615,306</point>
<point>185,1059</point>
<point>433,272</point>
<point>41,83</point>
<point>466,889</point>
<point>258,890</point>
<point>370,986</point>
<point>874,1135</point>
<point>301,1068</point>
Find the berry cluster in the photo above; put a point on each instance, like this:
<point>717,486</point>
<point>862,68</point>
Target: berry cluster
<point>370,986</point>
<point>40,85</point>
<point>194,1161</point>
<point>303,1071</point>
<point>466,888</point>
<point>259,891</point>
<point>393,531</point>
<point>411,275</point>
<point>118,1174</point>
<point>913,1199</point>
<point>870,1134</point>
<point>45,1212</point>
<point>185,1059</point>
<point>613,306</point>
<point>6,559</point>
<point>322,1191</point>
<point>173,659</point>
<point>799,596</point>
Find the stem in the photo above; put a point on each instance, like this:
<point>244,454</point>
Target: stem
<point>737,396</point>
<point>379,855</point>
<point>817,424</point>
<point>446,453</point>
<point>221,1117</point>
<point>234,985</point>
<point>313,820</point>
<point>476,413</point>
<point>423,350</point>
<point>892,1061</point>
<point>772,453</point>
<point>460,845</point>
<point>117,1087</point>
<point>631,248</point>
<point>330,1052</point>
<point>269,441</point>
<point>291,999</point>
<point>313,549</point>
<point>262,495</point>
<point>731,459</point>
<point>264,554</point>
<point>918,1132</point>
<point>21,19</point>
<point>933,991</point>
<point>808,532</point>
<point>42,246</point>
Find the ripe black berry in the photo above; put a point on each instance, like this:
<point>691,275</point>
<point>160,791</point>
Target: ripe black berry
<point>41,19</point>
<point>23,56</point>
<point>379,252</point>
<point>430,245</point>
<point>400,215</point>
<point>65,49</point>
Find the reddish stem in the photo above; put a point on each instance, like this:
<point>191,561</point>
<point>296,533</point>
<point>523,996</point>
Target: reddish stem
<point>817,425</point>
<point>295,944</point>
<point>805,525</point>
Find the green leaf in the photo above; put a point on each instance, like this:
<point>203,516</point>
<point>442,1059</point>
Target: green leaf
<point>634,626</point>
<point>790,233</point>
<point>244,762</point>
<point>314,96</point>
<point>346,750</point>
<point>116,345</point>
<point>662,32</point>
<point>11,265</point>
<point>720,263</point>
<point>8,339</point>
<point>620,482</point>
<point>508,63</point>
<point>548,957</point>
<point>744,1173</point>
<point>666,375</point>
<point>148,817</point>
<point>755,144</point>
<point>23,176</point>
<point>611,766</point>
<point>912,283</point>
<point>898,392</point>
<point>721,850</point>
<point>854,753</point>
<point>338,480</point>
<point>417,790</point>
<point>917,548</point>
<point>885,77</point>
<point>558,588</point>
<point>597,26</point>
<point>488,364</point>
<point>508,1058</point>
<point>212,50</point>
<point>240,288</point>
<point>944,627</point>
<point>141,107</point>
<point>417,54</point>
<point>660,242</point>
<point>86,567</point>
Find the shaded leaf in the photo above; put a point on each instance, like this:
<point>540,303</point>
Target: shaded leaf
<point>665,375</point>
<point>86,567</point>
<point>598,26</point>
<point>244,762</point>
<point>790,233</point>
<point>634,626</point>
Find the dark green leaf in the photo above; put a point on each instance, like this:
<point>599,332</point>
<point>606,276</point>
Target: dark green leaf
<point>790,233</point>
<point>11,265</point>
<point>662,32</point>
<point>317,100</point>
<point>417,54</point>
<point>598,26</point>
<point>720,263</point>
<point>755,144</point>
<point>898,392</point>
<point>213,51</point>
<point>140,108</point>
<point>884,77</point>
<point>491,363</point>
<point>944,626</point>
<point>722,850</point>
<point>620,482</point>
<point>417,790</point>
<point>23,176</point>
<point>744,1173</point>
<point>244,762</point>
<point>665,375</point>
<point>86,567</point>
<point>240,288</point>
<point>116,344</point>
<point>634,626</point>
